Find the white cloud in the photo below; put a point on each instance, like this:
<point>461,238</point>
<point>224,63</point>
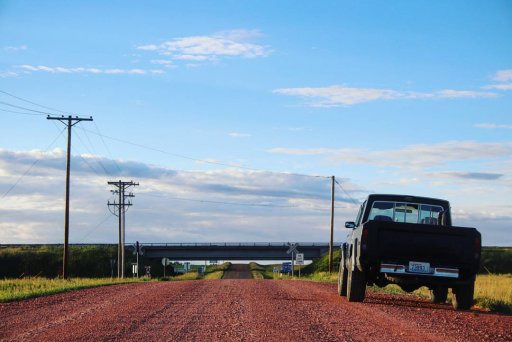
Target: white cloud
<point>239,135</point>
<point>203,205</point>
<point>234,43</point>
<point>164,62</point>
<point>15,48</point>
<point>336,95</point>
<point>296,129</point>
<point>503,75</point>
<point>504,86</point>
<point>492,126</point>
<point>86,70</point>
<point>450,93</point>
<point>216,205</point>
<point>490,176</point>
<point>412,156</point>
<point>6,74</point>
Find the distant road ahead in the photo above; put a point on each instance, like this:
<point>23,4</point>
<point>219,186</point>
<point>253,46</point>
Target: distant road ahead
<point>238,271</point>
<point>240,310</point>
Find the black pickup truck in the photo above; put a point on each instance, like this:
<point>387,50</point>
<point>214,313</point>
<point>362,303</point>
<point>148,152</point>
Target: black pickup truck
<point>409,241</point>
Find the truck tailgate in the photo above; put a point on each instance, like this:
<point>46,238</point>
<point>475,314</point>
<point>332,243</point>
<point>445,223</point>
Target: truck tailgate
<point>435,244</point>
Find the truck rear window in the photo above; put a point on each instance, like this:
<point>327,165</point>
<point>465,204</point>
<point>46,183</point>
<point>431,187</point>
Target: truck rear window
<point>405,212</point>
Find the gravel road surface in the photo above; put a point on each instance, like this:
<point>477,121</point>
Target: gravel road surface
<point>240,310</point>
<point>238,271</point>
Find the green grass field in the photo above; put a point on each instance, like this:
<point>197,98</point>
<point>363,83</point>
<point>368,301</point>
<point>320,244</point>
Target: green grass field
<point>30,287</point>
<point>17,289</point>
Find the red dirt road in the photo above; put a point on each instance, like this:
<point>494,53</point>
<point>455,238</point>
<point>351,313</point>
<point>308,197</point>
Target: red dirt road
<point>238,271</point>
<point>240,310</point>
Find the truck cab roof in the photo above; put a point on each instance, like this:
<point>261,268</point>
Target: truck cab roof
<point>407,198</point>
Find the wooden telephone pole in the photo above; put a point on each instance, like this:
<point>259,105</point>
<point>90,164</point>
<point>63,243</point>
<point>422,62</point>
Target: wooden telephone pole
<point>69,121</point>
<point>332,225</point>
<point>121,206</point>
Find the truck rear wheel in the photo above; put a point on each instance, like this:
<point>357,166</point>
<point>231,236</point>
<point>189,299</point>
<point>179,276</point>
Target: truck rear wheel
<point>438,294</point>
<point>463,296</point>
<point>342,276</point>
<point>356,284</point>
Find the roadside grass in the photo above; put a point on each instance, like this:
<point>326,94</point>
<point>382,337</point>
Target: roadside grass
<point>492,292</point>
<point>324,277</point>
<point>214,275</point>
<point>31,287</point>
<point>18,289</point>
<point>257,275</point>
<point>257,270</point>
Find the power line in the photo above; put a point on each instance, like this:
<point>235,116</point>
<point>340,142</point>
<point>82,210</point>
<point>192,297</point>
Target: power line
<point>106,147</point>
<point>94,229</point>
<point>16,112</point>
<point>139,145</point>
<point>31,102</point>
<point>92,153</point>
<point>74,150</point>
<point>235,203</point>
<point>346,193</point>
<point>25,108</point>
<point>31,166</point>
<point>201,160</point>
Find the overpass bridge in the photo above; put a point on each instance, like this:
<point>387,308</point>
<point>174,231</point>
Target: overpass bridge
<point>233,250</point>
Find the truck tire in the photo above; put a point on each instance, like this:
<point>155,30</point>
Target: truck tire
<point>356,284</point>
<point>438,294</point>
<point>463,296</point>
<point>342,276</point>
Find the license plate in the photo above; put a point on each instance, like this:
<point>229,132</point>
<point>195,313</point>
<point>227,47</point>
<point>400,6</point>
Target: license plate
<point>419,267</point>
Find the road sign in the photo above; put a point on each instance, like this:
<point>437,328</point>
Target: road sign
<point>166,262</point>
<point>137,246</point>
<point>293,248</point>
<point>299,258</point>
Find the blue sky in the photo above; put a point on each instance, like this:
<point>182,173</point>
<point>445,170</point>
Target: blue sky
<point>403,97</point>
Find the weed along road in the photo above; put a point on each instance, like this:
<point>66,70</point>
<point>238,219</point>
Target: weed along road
<point>241,310</point>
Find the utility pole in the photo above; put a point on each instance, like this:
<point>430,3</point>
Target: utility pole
<point>332,225</point>
<point>123,252</point>
<point>121,206</point>
<point>69,121</point>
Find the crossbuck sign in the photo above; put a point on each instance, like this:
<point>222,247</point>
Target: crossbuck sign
<point>293,248</point>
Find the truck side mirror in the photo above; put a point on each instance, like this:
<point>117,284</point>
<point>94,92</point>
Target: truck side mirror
<point>350,225</point>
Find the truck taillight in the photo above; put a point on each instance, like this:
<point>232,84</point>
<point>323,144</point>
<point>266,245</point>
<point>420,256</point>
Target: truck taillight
<point>364,237</point>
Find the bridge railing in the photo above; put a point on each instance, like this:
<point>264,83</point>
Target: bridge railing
<point>237,244</point>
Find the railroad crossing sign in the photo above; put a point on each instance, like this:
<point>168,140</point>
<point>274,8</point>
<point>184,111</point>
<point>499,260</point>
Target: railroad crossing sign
<point>293,248</point>
<point>137,247</point>
<point>166,262</point>
<point>299,258</point>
